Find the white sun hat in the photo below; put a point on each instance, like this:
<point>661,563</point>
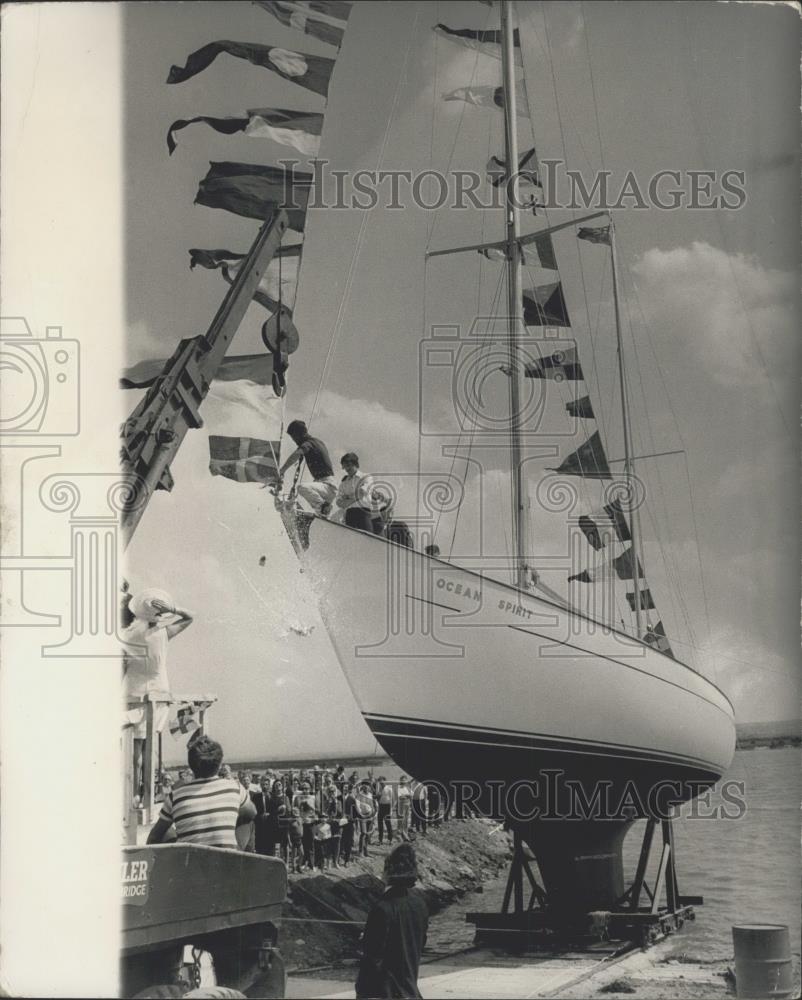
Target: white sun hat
<point>142,603</point>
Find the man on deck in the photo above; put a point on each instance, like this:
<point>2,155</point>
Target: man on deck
<point>208,809</point>
<point>319,494</point>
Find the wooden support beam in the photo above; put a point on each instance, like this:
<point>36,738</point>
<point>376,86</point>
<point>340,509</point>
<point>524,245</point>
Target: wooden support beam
<point>672,892</point>
<point>643,862</point>
<point>665,858</point>
<point>518,863</point>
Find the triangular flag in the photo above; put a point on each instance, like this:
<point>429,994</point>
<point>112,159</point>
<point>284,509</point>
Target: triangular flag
<point>646,602</point>
<point>580,407</point>
<point>545,305</point>
<point>624,565</point>
<point>588,461</point>
<point>656,637</point>
<point>610,520</point>
<point>561,365</point>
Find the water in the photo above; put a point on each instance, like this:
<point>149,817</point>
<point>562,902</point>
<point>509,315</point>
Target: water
<point>747,869</point>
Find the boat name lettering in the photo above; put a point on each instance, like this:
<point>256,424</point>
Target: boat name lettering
<point>457,588</point>
<point>516,609</point>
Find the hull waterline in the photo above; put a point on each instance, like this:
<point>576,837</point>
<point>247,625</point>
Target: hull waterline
<point>517,707</point>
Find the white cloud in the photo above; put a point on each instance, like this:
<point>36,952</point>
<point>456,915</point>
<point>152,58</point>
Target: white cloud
<point>727,312</point>
<point>757,680</point>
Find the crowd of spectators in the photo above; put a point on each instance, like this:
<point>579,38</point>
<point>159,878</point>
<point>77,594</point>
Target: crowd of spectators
<point>318,819</point>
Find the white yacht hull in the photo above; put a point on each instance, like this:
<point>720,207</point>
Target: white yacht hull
<point>465,679</point>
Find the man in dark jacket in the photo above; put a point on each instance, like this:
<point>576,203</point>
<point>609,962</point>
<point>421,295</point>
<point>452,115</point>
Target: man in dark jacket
<point>261,799</point>
<point>395,933</point>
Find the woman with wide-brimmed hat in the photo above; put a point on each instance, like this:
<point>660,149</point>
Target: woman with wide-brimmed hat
<point>156,620</point>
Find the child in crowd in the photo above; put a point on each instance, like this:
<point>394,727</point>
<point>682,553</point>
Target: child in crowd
<point>295,832</point>
<point>322,835</point>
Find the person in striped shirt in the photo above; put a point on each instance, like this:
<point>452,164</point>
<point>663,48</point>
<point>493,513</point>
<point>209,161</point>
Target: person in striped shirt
<point>208,809</point>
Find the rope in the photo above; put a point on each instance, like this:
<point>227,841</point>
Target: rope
<point>592,84</point>
<point>320,920</point>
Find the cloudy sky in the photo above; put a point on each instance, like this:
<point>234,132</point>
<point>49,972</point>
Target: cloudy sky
<point>95,215</point>
<point>709,318</point>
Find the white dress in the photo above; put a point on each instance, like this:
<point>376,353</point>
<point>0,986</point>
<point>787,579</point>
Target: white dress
<point>146,672</point>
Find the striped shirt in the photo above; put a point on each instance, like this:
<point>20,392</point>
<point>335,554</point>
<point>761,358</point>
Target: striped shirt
<point>205,810</point>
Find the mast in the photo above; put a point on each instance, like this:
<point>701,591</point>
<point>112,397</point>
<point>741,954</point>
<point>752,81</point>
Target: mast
<point>629,462</point>
<point>513,256</point>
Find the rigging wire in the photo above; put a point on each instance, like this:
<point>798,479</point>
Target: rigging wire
<point>669,560</point>
<point>472,434</point>
<point>429,229</point>
<point>430,234</point>
<point>693,109</point>
<point>601,420</point>
<point>529,268</point>
<point>592,83</point>
<point>650,341</point>
<point>463,109</point>
<point>565,157</point>
<point>601,152</point>
<point>355,254</point>
<point>485,345</point>
<point>434,215</point>
<point>647,444</point>
<point>677,428</point>
<point>583,487</point>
